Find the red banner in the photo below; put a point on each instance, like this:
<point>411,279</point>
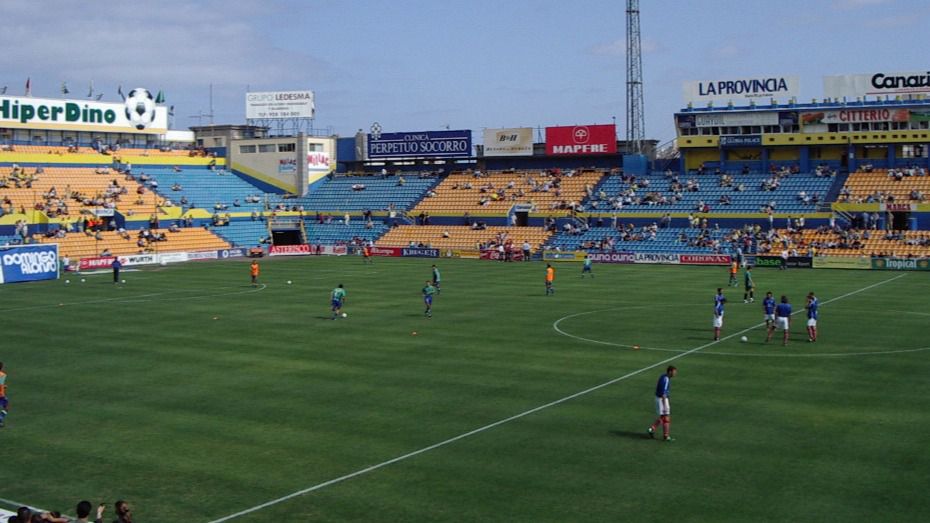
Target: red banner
<point>289,250</point>
<point>494,254</point>
<point>96,263</point>
<point>581,140</point>
<point>705,259</point>
<point>386,251</point>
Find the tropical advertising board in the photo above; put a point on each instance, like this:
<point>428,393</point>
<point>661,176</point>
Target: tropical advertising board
<point>581,140</point>
<point>417,144</point>
<point>508,142</point>
<point>28,263</point>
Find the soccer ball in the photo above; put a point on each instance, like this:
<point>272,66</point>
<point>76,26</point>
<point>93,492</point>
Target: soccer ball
<point>163,263</point>
<point>344,315</point>
<point>288,282</point>
<point>140,108</point>
<point>744,339</point>
<point>67,281</point>
<point>83,280</point>
<point>122,281</point>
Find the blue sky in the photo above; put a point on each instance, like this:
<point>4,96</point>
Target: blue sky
<point>422,65</point>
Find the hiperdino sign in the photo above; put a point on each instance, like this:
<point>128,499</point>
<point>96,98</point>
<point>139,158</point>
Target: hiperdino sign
<point>43,113</point>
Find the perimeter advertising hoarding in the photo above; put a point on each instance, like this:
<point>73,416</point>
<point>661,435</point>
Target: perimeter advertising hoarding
<point>28,263</point>
<point>516,141</point>
<point>581,140</point>
<point>418,144</point>
<point>76,115</point>
<point>901,264</point>
<point>881,83</point>
<point>279,104</point>
<point>705,259</point>
<point>613,257</point>
<point>741,88</point>
<point>289,250</point>
<point>842,262</point>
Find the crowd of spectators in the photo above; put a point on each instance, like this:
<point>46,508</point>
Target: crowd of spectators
<point>83,511</point>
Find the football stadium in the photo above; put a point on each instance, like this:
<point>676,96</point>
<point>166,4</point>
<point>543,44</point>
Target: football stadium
<point>256,320</point>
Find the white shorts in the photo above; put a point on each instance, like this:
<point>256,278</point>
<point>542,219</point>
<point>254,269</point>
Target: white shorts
<point>781,323</point>
<point>662,407</point>
<point>811,322</point>
<point>770,317</point>
<point>718,321</point>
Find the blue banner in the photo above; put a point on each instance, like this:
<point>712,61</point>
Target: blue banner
<point>748,140</point>
<point>420,253</point>
<point>433,144</point>
<point>28,263</point>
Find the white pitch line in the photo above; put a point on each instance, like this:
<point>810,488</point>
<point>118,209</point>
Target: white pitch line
<point>523,414</point>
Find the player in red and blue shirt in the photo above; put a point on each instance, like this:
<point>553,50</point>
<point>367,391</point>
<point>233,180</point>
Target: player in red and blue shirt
<point>719,300</point>
<point>663,387</point>
<point>812,305</point>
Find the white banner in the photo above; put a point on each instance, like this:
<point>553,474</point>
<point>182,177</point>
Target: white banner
<point>318,161</point>
<point>516,141</point>
<point>138,259</point>
<point>279,104</point>
<point>742,89</point>
<point>736,119</point>
<point>138,114</point>
<point>876,84</point>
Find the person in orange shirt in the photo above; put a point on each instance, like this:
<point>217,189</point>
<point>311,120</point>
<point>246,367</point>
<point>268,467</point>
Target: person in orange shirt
<point>4,403</point>
<point>366,253</point>
<point>254,270</point>
<point>550,277</point>
<point>734,268</point>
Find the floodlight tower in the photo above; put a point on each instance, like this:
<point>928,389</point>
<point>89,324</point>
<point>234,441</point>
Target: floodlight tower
<point>635,115</point>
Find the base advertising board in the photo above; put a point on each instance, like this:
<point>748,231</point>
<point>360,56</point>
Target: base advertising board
<point>793,262</point>
<point>842,262</point>
<point>901,264</point>
<point>657,257</point>
<point>613,257</point>
<point>289,250</point>
<point>414,252</point>
<point>564,256</point>
<point>768,261</point>
<point>28,263</point>
<point>705,259</point>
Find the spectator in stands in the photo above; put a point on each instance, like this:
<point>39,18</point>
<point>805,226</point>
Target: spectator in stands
<point>177,187</point>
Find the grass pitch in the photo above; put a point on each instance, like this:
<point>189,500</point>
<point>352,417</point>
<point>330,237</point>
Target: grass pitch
<point>195,396</point>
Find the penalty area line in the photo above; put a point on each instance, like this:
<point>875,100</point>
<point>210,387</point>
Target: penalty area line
<point>515,417</point>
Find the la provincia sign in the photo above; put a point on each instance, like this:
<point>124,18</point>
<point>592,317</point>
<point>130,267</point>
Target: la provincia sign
<point>742,88</point>
<point>48,113</point>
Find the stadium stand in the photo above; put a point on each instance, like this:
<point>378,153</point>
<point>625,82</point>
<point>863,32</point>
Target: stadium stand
<point>338,232</point>
<point>724,193</point>
<point>851,242</point>
<point>904,185</point>
<point>81,245</point>
<point>497,191</point>
<point>647,239</point>
<point>357,193</point>
<point>204,188</point>
<point>461,237</point>
<point>73,188</point>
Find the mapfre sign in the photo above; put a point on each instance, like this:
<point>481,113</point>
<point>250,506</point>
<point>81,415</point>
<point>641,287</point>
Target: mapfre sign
<point>581,140</point>
<point>279,104</point>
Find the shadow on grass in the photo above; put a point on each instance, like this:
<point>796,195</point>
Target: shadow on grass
<point>629,434</point>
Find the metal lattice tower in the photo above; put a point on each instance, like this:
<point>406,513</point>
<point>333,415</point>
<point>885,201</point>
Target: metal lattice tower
<point>635,114</point>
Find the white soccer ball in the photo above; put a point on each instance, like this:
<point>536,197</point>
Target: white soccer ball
<point>67,281</point>
<point>122,281</point>
<point>164,263</point>
<point>140,108</point>
<point>288,282</point>
<point>344,315</point>
<point>83,280</point>
<point>744,339</point>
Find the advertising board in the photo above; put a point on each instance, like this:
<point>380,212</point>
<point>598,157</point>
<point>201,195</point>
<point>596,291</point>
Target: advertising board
<point>564,256</point>
<point>431,144</point>
<point>84,115</point>
<point>581,140</point>
<point>842,262</point>
<point>279,104</point>
<point>138,259</point>
<point>516,141</point>
<point>385,251</point>
<point>102,262</point>
<point>882,83</point>
<point>741,88</point>
<point>419,253</point>
<point>289,250</point>
<point>901,264</point>
<point>656,257</point>
<point>748,140</point>
<point>28,263</point>
<point>237,252</point>
<point>705,259</point>
<point>613,257</point>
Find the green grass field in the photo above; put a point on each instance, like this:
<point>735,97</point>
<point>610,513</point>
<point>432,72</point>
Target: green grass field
<point>196,397</point>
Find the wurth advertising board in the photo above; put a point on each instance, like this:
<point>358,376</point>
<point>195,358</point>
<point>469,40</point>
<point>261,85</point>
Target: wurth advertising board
<point>581,140</point>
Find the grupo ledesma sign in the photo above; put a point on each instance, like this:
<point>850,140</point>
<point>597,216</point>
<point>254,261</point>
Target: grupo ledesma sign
<point>279,105</point>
